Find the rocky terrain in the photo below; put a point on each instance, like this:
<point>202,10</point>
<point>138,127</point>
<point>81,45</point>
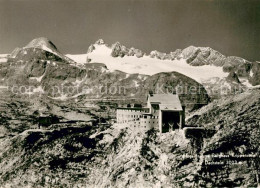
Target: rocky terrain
<point>86,148</point>
<point>106,156</point>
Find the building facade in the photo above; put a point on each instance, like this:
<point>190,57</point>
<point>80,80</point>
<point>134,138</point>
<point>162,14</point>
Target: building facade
<point>163,112</point>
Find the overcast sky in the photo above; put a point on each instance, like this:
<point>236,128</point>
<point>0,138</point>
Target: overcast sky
<point>231,27</point>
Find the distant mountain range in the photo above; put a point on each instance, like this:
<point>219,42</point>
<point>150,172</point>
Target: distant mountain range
<point>46,71</point>
<point>206,62</point>
<point>40,64</point>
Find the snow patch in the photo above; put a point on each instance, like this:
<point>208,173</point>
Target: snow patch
<point>3,55</point>
<point>38,79</point>
<point>103,69</point>
<point>80,58</point>
<point>142,77</point>
<point>251,73</point>
<point>48,49</point>
<point>245,82</point>
<point>62,97</point>
<point>136,84</point>
<point>3,60</point>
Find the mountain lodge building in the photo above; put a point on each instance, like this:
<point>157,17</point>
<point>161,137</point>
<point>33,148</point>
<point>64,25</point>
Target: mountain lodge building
<point>163,112</point>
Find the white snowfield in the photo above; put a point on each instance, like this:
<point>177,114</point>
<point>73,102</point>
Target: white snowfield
<point>3,55</point>
<point>147,65</point>
<point>3,58</point>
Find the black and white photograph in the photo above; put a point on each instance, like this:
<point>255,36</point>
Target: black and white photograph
<point>129,93</point>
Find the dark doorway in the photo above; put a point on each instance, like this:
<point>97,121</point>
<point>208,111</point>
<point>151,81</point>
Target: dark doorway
<point>170,120</point>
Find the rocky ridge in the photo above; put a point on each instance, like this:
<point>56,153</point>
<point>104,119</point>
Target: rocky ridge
<point>195,56</point>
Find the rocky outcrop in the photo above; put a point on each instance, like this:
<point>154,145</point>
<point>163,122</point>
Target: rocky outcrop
<point>175,55</point>
<point>199,56</point>
<point>91,48</point>
<point>41,43</point>
<point>118,50</point>
<point>135,52</point>
<point>232,76</point>
<point>100,42</point>
<point>237,64</point>
<point>254,74</point>
<point>158,55</point>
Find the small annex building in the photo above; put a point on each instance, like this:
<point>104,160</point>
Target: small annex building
<point>163,112</point>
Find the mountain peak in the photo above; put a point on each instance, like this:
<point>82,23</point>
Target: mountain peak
<point>41,42</point>
<point>40,48</point>
<point>100,42</point>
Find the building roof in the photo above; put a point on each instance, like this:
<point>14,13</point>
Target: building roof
<point>170,107</point>
<point>130,108</point>
<point>166,101</point>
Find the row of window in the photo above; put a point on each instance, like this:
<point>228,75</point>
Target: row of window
<point>137,116</point>
<point>152,117</point>
<point>130,110</point>
<point>125,121</point>
<point>127,115</point>
<point>150,122</point>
